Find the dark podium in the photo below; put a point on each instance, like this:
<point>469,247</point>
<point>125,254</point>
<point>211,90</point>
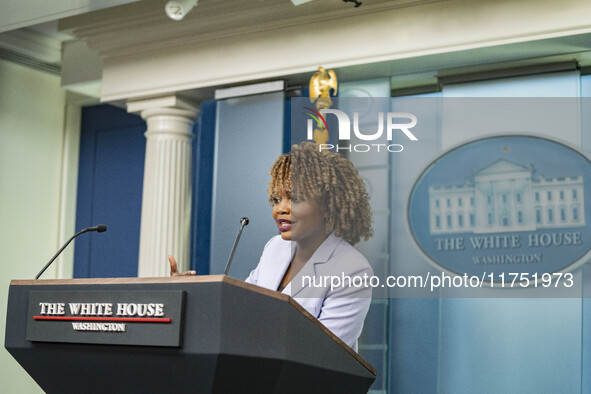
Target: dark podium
<point>203,334</point>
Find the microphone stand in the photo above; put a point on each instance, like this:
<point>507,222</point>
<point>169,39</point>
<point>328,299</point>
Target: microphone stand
<point>243,222</point>
<point>100,228</point>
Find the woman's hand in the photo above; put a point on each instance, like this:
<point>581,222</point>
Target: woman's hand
<point>174,270</point>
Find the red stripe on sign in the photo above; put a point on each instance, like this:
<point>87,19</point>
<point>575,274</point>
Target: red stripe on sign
<point>116,319</point>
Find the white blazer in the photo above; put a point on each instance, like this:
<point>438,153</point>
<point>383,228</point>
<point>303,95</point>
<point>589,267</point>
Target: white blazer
<point>325,287</point>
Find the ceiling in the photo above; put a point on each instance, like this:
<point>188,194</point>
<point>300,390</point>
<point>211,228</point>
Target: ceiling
<point>29,29</point>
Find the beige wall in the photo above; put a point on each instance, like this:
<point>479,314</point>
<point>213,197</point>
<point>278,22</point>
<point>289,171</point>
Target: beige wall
<point>36,149</point>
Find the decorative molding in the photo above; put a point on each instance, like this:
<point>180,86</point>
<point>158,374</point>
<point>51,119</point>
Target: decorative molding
<point>33,44</point>
<point>145,27</point>
<point>28,61</point>
<point>32,49</point>
<point>225,43</point>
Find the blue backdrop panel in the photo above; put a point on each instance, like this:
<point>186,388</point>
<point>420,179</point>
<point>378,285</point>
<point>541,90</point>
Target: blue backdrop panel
<point>249,136</point>
<point>511,345</point>
<point>110,179</point>
<point>586,145</point>
<point>414,323</point>
<point>203,153</point>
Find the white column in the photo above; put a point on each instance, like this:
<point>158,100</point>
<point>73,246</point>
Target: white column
<point>166,201</point>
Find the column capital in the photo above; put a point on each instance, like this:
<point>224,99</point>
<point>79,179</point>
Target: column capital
<point>172,104</point>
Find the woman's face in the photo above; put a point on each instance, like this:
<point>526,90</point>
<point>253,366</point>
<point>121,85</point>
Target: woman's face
<point>299,221</point>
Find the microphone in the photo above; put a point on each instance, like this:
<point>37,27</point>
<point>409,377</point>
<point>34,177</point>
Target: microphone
<point>243,222</point>
<point>100,228</point>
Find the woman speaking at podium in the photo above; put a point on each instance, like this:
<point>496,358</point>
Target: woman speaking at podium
<point>321,209</point>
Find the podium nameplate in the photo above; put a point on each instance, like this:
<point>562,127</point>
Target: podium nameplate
<point>119,317</point>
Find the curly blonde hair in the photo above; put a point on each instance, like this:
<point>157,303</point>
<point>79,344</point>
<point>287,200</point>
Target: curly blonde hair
<point>307,172</point>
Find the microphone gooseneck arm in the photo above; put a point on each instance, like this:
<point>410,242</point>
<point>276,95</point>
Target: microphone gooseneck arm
<point>100,228</point>
<point>243,222</point>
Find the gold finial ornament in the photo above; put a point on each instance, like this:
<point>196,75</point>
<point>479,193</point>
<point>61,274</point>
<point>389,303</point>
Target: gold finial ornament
<point>321,83</point>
